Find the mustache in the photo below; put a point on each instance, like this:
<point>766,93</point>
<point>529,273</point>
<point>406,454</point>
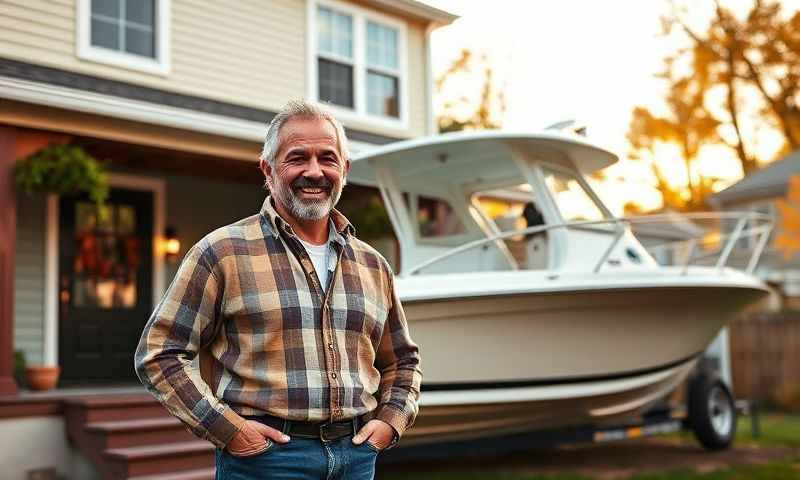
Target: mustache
<point>303,182</point>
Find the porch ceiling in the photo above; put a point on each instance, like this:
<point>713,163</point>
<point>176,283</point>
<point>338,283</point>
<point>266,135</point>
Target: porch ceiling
<point>163,160</point>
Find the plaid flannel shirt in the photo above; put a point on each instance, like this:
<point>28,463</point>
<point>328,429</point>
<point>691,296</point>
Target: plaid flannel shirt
<point>247,297</point>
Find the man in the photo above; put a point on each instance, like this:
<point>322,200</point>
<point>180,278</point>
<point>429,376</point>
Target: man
<point>311,368</point>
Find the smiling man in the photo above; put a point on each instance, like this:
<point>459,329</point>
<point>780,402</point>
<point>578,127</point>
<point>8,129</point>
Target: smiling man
<point>311,371</point>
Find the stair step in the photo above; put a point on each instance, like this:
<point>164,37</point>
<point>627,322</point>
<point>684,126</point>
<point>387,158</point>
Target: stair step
<point>160,458</point>
<point>137,424</point>
<point>201,474</point>
<point>98,408</point>
<point>138,432</point>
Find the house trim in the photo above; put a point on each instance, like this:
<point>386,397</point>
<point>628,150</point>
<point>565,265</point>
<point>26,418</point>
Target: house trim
<point>160,65</point>
<point>75,91</point>
<point>360,18</point>
<point>133,182</point>
<point>50,330</point>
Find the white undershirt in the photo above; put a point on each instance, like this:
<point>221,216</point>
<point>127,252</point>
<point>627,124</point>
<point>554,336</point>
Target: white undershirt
<point>319,255</point>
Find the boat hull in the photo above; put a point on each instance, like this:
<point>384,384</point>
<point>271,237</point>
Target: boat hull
<point>499,364</point>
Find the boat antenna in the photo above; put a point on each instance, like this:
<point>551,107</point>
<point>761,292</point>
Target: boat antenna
<point>569,126</point>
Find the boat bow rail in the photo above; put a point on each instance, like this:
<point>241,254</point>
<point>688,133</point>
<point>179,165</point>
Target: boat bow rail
<point>694,249</point>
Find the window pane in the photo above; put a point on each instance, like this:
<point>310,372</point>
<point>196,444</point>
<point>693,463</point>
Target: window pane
<point>572,200</point>
<point>335,83</point>
<point>334,33</point>
<point>381,46</point>
<point>140,11</point>
<point>382,95</point>
<point>139,42</point>
<point>105,34</point>
<point>109,8</point>
<point>437,218</point>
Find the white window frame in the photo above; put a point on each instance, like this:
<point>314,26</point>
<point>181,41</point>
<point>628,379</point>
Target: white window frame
<point>160,65</point>
<point>360,17</point>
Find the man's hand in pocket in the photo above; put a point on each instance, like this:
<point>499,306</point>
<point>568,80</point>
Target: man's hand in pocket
<point>254,438</point>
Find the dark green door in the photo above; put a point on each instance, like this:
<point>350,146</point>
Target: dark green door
<point>105,284</point>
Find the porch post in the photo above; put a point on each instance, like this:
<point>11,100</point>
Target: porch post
<point>8,236</point>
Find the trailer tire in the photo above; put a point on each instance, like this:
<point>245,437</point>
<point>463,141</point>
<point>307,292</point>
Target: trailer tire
<point>712,412</point>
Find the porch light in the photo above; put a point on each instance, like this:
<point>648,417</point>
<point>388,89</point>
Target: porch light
<point>172,246</point>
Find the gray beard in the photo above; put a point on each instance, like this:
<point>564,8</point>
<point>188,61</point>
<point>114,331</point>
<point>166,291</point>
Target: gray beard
<point>301,210</point>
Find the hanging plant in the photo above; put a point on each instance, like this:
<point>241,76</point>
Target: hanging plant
<point>62,169</point>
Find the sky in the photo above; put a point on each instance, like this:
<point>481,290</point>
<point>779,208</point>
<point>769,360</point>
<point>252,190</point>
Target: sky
<point>584,60</point>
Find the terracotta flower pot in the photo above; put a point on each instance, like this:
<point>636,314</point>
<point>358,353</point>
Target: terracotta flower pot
<point>42,377</point>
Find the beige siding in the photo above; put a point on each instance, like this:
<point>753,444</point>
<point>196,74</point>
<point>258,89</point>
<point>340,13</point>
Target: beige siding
<point>253,54</point>
<point>29,278</point>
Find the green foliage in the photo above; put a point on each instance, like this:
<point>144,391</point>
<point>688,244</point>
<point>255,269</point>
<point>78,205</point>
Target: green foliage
<point>369,217</point>
<point>62,169</point>
<point>19,367</point>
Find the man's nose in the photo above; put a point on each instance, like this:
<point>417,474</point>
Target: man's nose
<point>313,169</point>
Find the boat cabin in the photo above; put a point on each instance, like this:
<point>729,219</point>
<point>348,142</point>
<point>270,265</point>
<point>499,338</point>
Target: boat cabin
<point>487,201</point>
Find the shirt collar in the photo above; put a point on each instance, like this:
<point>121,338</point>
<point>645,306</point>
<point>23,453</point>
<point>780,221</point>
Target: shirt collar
<point>342,228</point>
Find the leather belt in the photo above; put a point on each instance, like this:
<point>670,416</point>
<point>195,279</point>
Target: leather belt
<point>325,431</point>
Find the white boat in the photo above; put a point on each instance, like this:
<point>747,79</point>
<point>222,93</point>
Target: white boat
<point>536,326</point>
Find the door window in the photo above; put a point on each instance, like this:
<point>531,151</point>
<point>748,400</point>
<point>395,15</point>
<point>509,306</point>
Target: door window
<point>107,256</point>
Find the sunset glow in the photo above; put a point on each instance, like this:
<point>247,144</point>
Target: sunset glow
<point>592,62</point>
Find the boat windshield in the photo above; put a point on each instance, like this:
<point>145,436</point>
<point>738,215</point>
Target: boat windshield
<point>573,200</point>
<point>513,210</point>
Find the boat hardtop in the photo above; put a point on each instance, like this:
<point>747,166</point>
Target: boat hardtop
<point>475,158</point>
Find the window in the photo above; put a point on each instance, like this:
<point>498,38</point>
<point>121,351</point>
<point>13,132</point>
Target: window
<point>383,77</point>
<point>572,199</point>
<point>128,33</point>
<point>335,67</point>
<point>358,62</point>
<point>436,218</point>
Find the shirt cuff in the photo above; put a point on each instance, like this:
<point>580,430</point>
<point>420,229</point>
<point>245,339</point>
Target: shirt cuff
<point>223,426</point>
<point>396,418</point>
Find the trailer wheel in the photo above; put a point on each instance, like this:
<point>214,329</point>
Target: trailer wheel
<point>712,412</point>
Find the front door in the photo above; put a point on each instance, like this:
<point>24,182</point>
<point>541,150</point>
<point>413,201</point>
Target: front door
<point>105,284</point>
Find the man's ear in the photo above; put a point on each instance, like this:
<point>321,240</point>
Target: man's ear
<point>346,166</point>
<point>266,169</point>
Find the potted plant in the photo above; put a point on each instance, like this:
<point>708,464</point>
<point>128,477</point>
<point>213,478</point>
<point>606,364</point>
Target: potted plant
<point>64,170</point>
<point>42,377</point>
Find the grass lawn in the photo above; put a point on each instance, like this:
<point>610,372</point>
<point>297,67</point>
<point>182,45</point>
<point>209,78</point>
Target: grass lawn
<point>777,431</point>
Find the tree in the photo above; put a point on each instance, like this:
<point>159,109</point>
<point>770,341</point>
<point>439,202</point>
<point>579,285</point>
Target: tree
<point>688,125</point>
<point>465,111</point>
<point>787,239</point>
<point>739,75</point>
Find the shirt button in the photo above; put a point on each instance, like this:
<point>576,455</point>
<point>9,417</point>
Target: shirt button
<point>330,345</point>
<point>333,374</point>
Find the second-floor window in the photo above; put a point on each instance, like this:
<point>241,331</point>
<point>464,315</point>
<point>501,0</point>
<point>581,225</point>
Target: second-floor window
<point>132,34</point>
<point>125,26</point>
<point>358,60</point>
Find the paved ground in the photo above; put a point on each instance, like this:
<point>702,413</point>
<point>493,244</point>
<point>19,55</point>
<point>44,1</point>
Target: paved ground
<point>607,461</point>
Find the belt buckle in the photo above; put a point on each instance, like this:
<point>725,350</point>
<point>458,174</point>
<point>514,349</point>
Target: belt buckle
<point>323,431</point>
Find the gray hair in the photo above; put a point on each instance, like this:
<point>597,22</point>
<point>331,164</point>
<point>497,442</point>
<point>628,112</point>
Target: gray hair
<point>300,109</point>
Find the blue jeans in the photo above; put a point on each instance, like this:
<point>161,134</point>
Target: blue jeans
<point>302,459</point>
